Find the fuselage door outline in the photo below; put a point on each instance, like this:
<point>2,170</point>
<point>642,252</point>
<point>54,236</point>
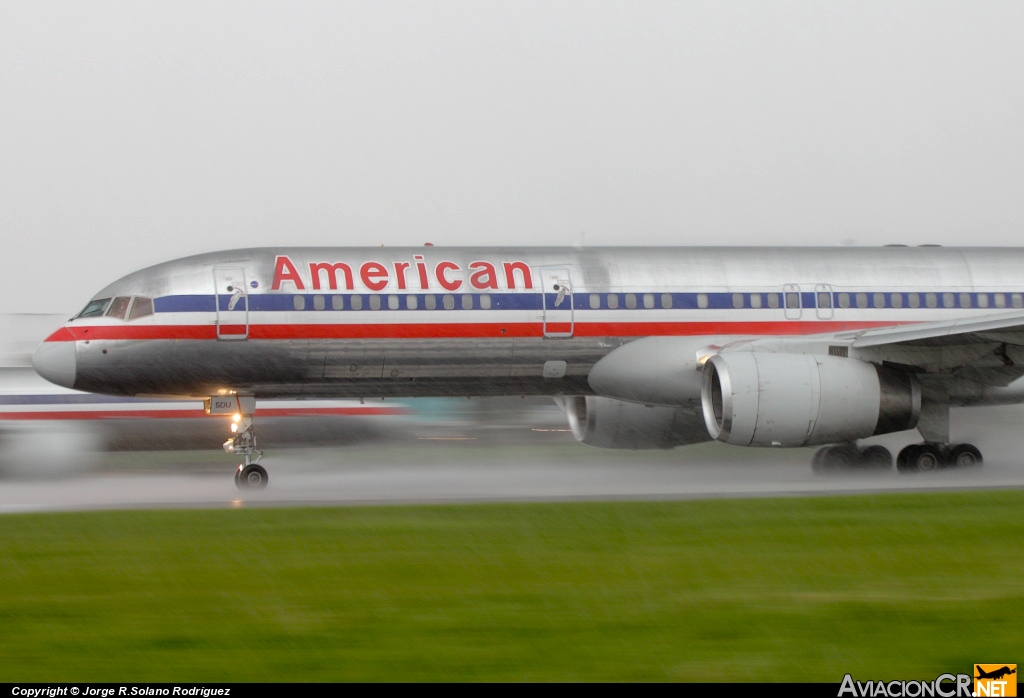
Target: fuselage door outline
<point>558,305</point>
<point>231,300</point>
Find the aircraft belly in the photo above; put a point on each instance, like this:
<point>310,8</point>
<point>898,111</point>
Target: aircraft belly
<point>342,368</point>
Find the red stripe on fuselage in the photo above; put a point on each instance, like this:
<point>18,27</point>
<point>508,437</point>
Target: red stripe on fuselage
<point>466,330</point>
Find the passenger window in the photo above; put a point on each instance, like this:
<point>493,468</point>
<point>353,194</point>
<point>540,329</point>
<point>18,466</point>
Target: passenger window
<point>1017,299</point>
<point>318,302</point>
<point>824,300</point>
<point>485,301</point>
<point>374,302</point>
<point>393,302</point>
<point>666,300</point>
<point>862,300</point>
<point>648,300</point>
<point>142,307</point>
<point>119,307</point>
<point>613,300</point>
<point>737,300</point>
<point>914,300</point>
<point>448,300</point>
<point>430,302</point>
<point>337,302</point>
<point>702,300</point>
<point>1000,300</point>
<point>965,300</point>
<point>356,303</point>
<point>982,300</point>
<point>773,300</point>
<point>630,300</point>
<point>931,300</point>
<point>299,302</point>
<point>411,302</point>
<point>879,300</point>
<point>948,300</point>
<point>467,301</point>
<point>897,300</point>
<point>844,300</point>
<point>792,300</point>
<point>595,300</point>
<point>755,300</point>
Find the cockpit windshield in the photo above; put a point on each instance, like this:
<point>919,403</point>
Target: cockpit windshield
<point>94,308</point>
<point>119,307</point>
<point>141,308</point>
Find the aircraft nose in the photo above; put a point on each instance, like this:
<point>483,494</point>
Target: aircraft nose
<point>55,359</point>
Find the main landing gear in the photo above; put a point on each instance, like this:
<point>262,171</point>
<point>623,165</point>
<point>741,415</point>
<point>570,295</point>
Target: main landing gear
<point>916,458</point>
<point>921,458</point>
<point>847,457</point>
<point>250,475</point>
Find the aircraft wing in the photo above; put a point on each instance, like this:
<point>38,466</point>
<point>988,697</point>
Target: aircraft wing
<point>988,350</point>
<point>1006,328</point>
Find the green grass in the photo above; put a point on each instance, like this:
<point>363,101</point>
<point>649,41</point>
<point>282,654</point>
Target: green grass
<point>806,589</point>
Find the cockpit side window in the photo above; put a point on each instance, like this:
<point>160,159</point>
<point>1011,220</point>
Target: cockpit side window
<point>94,308</point>
<point>141,308</point>
<point>119,307</point>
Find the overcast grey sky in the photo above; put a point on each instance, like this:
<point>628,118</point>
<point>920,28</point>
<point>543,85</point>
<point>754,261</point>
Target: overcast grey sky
<point>133,132</point>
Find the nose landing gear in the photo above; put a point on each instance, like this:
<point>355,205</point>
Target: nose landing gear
<point>250,474</point>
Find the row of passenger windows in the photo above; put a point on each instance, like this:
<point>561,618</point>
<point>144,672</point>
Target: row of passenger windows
<point>825,299</point>
<point>374,302</point>
<point>630,300</point>
<point>925,300</point>
<point>466,302</point>
<point>613,301</point>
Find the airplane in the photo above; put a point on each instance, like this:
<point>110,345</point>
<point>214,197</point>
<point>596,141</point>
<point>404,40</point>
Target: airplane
<point>994,674</point>
<point>644,347</point>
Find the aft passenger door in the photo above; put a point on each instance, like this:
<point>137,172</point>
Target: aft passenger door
<point>556,290</point>
<point>231,299</point>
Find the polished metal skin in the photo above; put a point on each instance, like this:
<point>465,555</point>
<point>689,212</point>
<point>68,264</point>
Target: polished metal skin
<point>374,322</point>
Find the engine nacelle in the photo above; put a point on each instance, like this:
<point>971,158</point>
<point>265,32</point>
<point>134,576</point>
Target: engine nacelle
<point>767,399</point>
<point>610,423</point>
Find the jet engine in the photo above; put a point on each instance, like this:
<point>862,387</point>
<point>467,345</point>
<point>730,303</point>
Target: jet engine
<point>768,399</point>
<point>609,423</point>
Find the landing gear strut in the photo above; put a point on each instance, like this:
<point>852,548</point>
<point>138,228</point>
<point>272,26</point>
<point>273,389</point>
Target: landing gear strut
<point>926,457</point>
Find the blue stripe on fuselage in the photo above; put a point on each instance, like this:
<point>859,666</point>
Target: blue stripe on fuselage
<point>582,301</point>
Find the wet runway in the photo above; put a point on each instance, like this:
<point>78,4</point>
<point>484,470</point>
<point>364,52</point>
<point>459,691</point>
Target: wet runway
<point>444,473</point>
